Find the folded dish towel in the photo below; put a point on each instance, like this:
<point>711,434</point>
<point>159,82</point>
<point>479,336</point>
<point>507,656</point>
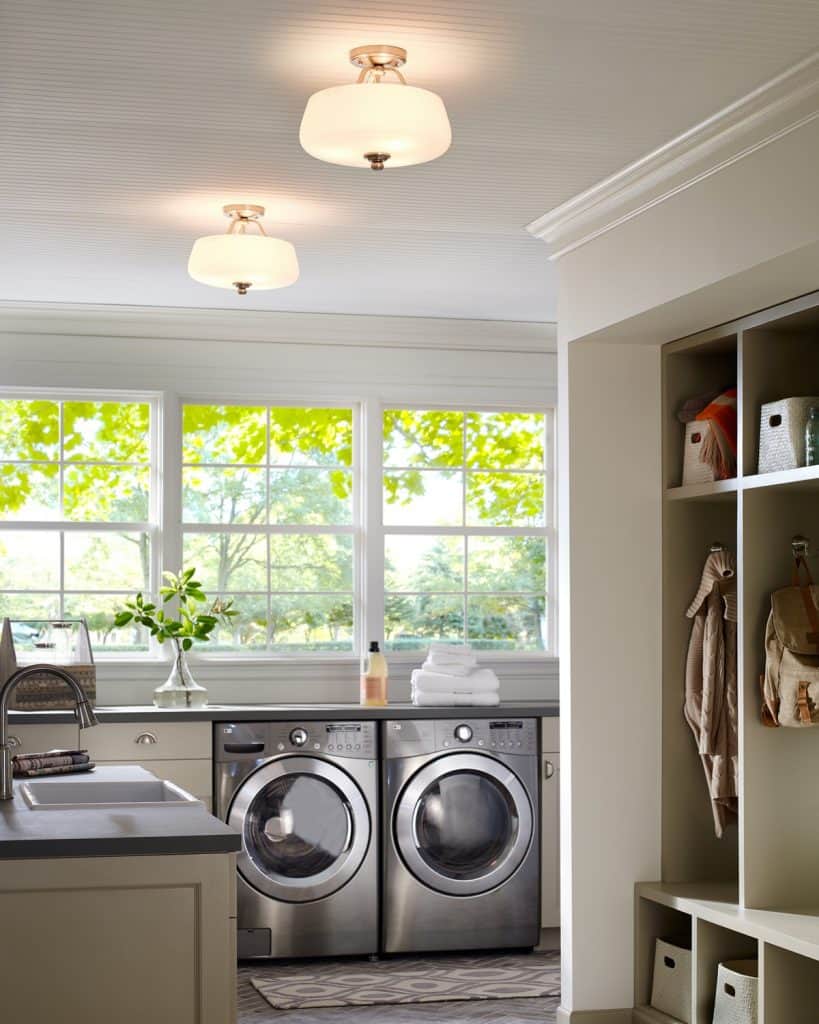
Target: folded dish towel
<point>481,680</point>
<point>450,668</point>
<point>65,769</point>
<point>25,764</point>
<point>426,698</point>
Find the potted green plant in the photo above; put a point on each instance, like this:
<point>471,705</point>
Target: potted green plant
<point>192,625</point>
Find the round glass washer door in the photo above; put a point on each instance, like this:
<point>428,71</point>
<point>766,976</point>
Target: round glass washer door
<point>305,828</point>
<point>463,824</point>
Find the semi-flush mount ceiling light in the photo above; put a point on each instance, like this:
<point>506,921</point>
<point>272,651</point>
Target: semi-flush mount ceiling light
<point>241,261</point>
<point>377,121</point>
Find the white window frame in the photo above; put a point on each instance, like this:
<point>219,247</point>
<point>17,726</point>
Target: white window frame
<point>353,530</point>
<point>368,529</point>
<point>379,531</point>
<point>153,527</point>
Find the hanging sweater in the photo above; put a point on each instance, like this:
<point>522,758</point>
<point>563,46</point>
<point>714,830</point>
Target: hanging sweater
<point>711,682</point>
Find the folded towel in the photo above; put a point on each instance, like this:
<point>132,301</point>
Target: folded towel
<point>65,769</point>
<point>449,668</point>
<point>29,762</point>
<point>57,752</point>
<point>457,651</point>
<point>482,680</point>
<point>424,698</point>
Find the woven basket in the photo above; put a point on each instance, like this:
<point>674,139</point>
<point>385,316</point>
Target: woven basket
<point>782,433</point>
<point>694,471</point>
<point>737,985</point>
<point>671,983</point>
<point>47,692</point>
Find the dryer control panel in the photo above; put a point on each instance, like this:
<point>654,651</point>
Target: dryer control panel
<point>499,736</point>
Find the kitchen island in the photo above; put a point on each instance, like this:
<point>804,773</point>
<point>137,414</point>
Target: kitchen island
<point>122,913</point>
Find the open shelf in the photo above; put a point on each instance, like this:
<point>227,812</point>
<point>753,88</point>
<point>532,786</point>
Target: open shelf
<point>804,480</point>
<point>719,490</point>
<point>790,987</point>
<point>795,931</point>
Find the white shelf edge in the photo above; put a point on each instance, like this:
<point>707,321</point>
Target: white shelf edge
<point>691,492</point>
<point>794,930</point>
<point>783,478</point>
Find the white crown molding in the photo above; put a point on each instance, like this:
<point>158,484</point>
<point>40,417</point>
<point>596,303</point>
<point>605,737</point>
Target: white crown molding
<point>776,108</point>
<point>272,327</point>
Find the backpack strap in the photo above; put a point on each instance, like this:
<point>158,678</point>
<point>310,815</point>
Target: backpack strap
<point>802,704</point>
<point>807,598</point>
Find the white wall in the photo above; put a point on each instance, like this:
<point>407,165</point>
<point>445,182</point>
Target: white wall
<point>293,357</point>
<point>610,515</point>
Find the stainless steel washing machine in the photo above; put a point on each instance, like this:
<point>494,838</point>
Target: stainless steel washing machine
<point>461,835</point>
<point>304,797</point>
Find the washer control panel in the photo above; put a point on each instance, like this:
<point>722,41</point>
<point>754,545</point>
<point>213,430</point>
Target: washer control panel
<point>253,741</point>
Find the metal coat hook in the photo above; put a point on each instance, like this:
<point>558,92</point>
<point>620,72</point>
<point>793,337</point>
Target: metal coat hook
<point>800,546</point>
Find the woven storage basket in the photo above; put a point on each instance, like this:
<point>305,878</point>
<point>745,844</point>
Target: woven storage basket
<point>782,433</point>
<point>737,985</point>
<point>671,983</point>
<point>694,471</point>
<point>47,692</point>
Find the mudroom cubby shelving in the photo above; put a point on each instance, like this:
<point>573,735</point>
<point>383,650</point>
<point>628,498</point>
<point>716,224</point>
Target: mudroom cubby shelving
<point>755,892</point>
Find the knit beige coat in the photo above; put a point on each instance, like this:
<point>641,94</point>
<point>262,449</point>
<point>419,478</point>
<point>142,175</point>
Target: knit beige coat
<point>711,682</point>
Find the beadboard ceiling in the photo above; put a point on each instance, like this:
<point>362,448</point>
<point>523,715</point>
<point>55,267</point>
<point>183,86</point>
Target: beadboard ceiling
<point>124,127</point>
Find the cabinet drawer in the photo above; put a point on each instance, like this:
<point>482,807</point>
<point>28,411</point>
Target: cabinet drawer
<point>31,739</point>
<point>134,742</point>
<point>193,776</point>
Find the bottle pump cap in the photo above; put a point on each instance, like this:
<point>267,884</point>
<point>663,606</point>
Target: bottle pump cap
<point>374,646</point>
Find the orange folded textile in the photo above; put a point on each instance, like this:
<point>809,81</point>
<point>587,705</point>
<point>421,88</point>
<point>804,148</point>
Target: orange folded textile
<point>719,451</point>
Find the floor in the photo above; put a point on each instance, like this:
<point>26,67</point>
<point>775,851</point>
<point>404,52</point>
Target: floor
<point>253,1009</point>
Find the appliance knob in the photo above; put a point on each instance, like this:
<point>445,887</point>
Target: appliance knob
<point>463,733</point>
<point>298,737</point>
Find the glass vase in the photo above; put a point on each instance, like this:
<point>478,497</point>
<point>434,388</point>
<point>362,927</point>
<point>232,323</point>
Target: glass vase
<point>180,690</point>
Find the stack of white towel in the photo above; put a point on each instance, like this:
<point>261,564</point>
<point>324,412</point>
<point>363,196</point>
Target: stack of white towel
<point>450,675</point>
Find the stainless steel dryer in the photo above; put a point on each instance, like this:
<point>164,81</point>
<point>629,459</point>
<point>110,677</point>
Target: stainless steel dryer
<point>461,849</point>
<point>304,797</point>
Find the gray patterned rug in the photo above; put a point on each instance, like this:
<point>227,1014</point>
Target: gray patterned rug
<point>431,979</point>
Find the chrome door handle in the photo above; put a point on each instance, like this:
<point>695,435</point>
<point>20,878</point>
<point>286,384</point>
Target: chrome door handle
<point>548,769</point>
<point>145,738</point>
<point>14,741</point>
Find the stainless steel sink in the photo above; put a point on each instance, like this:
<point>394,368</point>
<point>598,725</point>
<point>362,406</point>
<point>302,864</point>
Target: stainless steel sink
<point>98,794</point>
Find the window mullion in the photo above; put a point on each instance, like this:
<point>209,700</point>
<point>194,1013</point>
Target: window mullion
<point>372,476</point>
<point>168,481</point>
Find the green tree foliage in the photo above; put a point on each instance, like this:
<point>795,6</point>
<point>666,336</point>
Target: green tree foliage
<point>254,466</point>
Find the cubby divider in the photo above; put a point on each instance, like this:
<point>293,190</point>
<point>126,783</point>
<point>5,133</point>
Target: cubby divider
<point>714,945</point>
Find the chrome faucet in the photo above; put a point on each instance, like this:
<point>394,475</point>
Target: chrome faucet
<point>83,713</point>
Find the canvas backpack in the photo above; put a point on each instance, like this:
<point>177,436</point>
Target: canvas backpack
<point>790,686</point>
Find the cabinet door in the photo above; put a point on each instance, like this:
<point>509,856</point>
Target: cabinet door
<point>550,841</point>
<point>32,739</point>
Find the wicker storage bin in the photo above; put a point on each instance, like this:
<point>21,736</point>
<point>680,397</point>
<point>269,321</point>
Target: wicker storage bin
<point>737,985</point>
<point>47,692</point>
<point>782,433</point>
<point>671,982</point>
<point>694,471</point>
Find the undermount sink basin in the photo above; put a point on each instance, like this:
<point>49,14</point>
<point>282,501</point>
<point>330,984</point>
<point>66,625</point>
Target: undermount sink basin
<point>93,794</point>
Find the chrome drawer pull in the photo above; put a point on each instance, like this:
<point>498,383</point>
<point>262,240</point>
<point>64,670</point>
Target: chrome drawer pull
<point>145,738</point>
<point>548,769</point>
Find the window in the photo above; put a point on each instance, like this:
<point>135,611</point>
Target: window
<point>269,511</point>
<point>467,529</point>
<point>77,514</point>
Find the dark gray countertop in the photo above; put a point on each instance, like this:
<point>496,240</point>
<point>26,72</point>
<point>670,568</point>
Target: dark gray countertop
<point>25,833</point>
<point>293,712</point>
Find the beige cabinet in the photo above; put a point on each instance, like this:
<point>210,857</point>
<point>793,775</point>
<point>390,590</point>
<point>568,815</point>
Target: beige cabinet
<point>30,739</point>
<point>177,751</point>
<point>550,823</point>
<point>125,939</point>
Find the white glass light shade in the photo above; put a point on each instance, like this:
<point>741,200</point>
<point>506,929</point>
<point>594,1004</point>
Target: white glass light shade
<point>255,260</point>
<point>342,123</point>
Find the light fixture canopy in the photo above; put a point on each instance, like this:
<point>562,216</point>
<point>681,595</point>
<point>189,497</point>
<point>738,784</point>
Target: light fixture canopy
<point>240,260</point>
<point>378,121</point>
